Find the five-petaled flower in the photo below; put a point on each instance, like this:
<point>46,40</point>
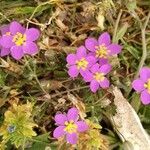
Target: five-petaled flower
<point>142,85</point>
<point>69,126</point>
<point>79,62</point>
<point>96,76</point>
<point>102,48</point>
<point>19,40</point>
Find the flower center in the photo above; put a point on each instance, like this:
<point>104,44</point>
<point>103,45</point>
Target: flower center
<point>19,39</point>
<point>147,86</point>
<point>101,51</point>
<point>71,127</point>
<point>99,76</point>
<point>7,33</point>
<point>11,128</point>
<point>82,63</point>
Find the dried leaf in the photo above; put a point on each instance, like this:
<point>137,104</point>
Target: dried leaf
<point>78,104</point>
<point>127,124</point>
<point>101,19</point>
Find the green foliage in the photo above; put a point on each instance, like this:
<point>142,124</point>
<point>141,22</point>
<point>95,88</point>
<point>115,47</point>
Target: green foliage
<point>121,32</point>
<point>2,78</point>
<point>64,25</point>
<point>42,142</point>
<point>18,124</point>
<point>92,139</point>
<point>135,102</point>
<point>30,10</point>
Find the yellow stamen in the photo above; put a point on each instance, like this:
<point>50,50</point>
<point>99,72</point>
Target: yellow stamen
<point>99,76</point>
<point>7,33</point>
<point>71,127</point>
<point>147,86</point>
<point>82,64</point>
<point>101,51</point>
<point>19,39</point>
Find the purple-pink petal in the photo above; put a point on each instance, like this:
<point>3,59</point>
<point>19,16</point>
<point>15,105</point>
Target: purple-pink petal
<point>91,60</point>
<point>94,86</point>
<point>83,72</point>
<point>4,51</point>
<point>60,119</point>
<point>138,85</point>
<point>71,59</point>
<point>73,71</point>
<point>103,61</point>
<point>145,97</point>
<point>87,76</point>
<point>32,34</point>
<point>82,126</point>
<point>105,83</point>
<point>91,54</point>
<point>72,114</point>
<point>17,52</point>
<point>95,68</point>
<point>30,48</point>
<point>114,49</point>
<point>4,29</point>
<point>6,41</point>
<point>105,69</point>
<point>16,27</point>
<point>59,132</point>
<point>81,52</point>
<point>104,39</point>
<point>91,44</point>
<point>145,74</point>
<point>72,138</point>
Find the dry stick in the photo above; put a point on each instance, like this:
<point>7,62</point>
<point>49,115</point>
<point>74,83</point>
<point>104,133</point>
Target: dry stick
<point>144,54</point>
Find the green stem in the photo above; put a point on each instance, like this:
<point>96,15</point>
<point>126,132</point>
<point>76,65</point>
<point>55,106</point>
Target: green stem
<point>35,76</point>
<point>35,10</point>
<point>144,54</point>
<point>75,89</point>
<point>116,26</point>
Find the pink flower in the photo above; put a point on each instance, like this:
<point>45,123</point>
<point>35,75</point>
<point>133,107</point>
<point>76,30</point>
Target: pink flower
<point>102,48</point>
<point>142,85</point>
<point>69,126</point>
<point>96,76</point>
<point>19,40</point>
<point>4,31</point>
<point>79,62</point>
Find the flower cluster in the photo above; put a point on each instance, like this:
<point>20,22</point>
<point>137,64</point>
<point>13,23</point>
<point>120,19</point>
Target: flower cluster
<point>92,61</point>
<point>142,85</point>
<point>69,126</point>
<point>18,41</point>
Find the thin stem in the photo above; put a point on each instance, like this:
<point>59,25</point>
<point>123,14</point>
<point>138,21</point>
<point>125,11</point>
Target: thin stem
<point>37,80</point>
<point>35,76</point>
<point>75,89</point>
<point>116,26</point>
<point>38,24</point>
<point>35,10</point>
<point>144,54</point>
<point>4,16</point>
